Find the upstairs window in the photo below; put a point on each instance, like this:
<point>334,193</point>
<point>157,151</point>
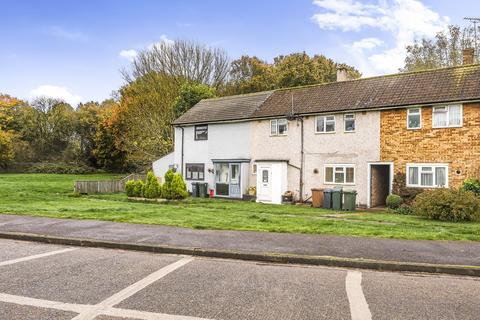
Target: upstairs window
<point>349,122</point>
<point>325,124</point>
<point>278,127</point>
<point>447,116</point>
<point>201,132</point>
<point>427,175</point>
<point>414,118</point>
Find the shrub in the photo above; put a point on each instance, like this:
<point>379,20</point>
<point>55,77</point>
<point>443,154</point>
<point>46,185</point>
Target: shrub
<point>399,187</point>
<point>138,189</point>
<point>61,168</point>
<point>448,205</point>
<point>404,209</point>
<point>394,201</point>
<point>130,188</point>
<point>174,186</point>
<point>472,185</point>
<point>152,187</point>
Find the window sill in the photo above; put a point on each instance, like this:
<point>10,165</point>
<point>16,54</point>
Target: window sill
<point>330,132</point>
<point>425,187</point>
<point>447,127</point>
<point>414,129</point>
<point>339,184</point>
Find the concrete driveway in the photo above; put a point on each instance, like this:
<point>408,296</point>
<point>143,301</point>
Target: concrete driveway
<point>39,281</point>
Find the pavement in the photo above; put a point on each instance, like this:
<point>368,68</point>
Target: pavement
<point>457,257</point>
<point>43,281</point>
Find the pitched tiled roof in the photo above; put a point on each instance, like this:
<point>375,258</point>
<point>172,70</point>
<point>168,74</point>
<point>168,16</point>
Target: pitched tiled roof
<point>403,89</point>
<point>223,109</point>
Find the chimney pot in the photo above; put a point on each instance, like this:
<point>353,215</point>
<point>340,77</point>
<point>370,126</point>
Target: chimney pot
<point>468,55</point>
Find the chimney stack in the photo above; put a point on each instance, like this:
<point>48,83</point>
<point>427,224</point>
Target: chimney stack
<point>468,55</point>
<point>342,74</point>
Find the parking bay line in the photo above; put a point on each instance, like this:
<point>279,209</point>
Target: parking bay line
<point>83,308</point>
<point>129,291</point>
<point>358,304</point>
<point>36,256</point>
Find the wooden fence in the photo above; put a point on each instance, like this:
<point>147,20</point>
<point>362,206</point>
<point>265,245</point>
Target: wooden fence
<point>106,186</point>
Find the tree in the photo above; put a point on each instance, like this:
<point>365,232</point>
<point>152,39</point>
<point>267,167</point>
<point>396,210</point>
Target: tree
<point>190,94</point>
<point>443,51</point>
<point>183,61</point>
<point>146,113</point>
<point>6,148</point>
<point>250,74</point>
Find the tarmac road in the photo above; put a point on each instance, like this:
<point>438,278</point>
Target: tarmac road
<point>40,281</point>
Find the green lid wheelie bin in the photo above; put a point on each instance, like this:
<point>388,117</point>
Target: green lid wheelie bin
<point>195,191</point>
<point>337,199</point>
<point>202,189</point>
<point>349,200</point>
<point>327,198</point>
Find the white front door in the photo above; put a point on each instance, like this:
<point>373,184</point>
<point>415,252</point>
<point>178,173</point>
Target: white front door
<point>264,183</point>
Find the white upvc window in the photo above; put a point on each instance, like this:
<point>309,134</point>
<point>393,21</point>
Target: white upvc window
<point>278,127</point>
<point>324,124</point>
<point>339,174</point>
<point>349,122</point>
<point>427,175</point>
<point>254,168</point>
<point>447,116</point>
<point>414,118</point>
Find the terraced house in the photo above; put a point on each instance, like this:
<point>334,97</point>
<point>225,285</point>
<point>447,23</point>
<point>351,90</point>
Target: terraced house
<point>354,134</point>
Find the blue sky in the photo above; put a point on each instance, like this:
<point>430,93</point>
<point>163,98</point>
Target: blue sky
<point>75,49</point>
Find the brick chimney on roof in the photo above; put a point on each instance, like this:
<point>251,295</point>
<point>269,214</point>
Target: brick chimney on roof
<point>468,56</point>
<point>342,74</point>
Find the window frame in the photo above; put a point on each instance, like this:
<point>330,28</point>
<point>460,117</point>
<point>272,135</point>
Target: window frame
<point>448,125</point>
<point>191,178</point>
<point>325,123</point>
<point>254,168</point>
<point>419,167</point>
<point>408,118</point>
<point>275,123</point>
<point>334,167</point>
<point>195,132</point>
<point>345,122</point>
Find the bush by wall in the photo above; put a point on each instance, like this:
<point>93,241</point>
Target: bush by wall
<point>400,188</point>
<point>394,201</point>
<point>153,188</point>
<point>448,205</point>
<point>472,185</point>
<point>174,186</point>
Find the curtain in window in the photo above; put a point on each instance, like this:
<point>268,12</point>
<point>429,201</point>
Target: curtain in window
<point>426,176</point>
<point>455,115</point>
<point>440,177</point>
<point>413,175</point>
<point>440,117</point>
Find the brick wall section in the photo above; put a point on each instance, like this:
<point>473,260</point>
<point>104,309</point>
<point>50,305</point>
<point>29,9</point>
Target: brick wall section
<point>459,147</point>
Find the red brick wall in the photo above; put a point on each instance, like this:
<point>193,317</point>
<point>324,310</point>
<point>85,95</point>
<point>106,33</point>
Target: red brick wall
<point>459,147</point>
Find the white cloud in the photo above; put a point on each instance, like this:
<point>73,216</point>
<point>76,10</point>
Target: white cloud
<point>63,33</point>
<point>404,21</point>
<point>56,92</point>
<point>163,39</point>
<point>367,43</point>
<point>128,54</point>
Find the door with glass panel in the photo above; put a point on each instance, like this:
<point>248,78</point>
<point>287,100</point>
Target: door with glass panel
<point>234,187</point>
<point>222,178</point>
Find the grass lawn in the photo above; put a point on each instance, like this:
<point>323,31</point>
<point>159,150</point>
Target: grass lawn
<point>51,195</point>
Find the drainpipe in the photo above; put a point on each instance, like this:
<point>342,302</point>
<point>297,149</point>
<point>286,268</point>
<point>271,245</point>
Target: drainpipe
<point>302,156</point>
<point>183,140</point>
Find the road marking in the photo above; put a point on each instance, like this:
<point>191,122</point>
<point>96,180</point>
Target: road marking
<point>37,256</point>
<point>83,308</point>
<point>39,303</point>
<point>108,303</point>
<point>358,304</point>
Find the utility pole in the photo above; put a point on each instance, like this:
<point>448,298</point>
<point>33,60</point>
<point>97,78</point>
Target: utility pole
<point>475,21</point>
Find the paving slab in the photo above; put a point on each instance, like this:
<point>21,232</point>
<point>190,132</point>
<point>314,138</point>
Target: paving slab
<point>83,276</point>
<point>216,289</point>
<point>393,296</point>
<point>10,249</point>
<point>14,311</point>
<point>413,251</point>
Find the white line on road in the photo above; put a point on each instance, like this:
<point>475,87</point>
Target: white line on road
<point>358,304</point>
<point>108,303</point>
<point>37,256</point>
<point>83,308</point>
